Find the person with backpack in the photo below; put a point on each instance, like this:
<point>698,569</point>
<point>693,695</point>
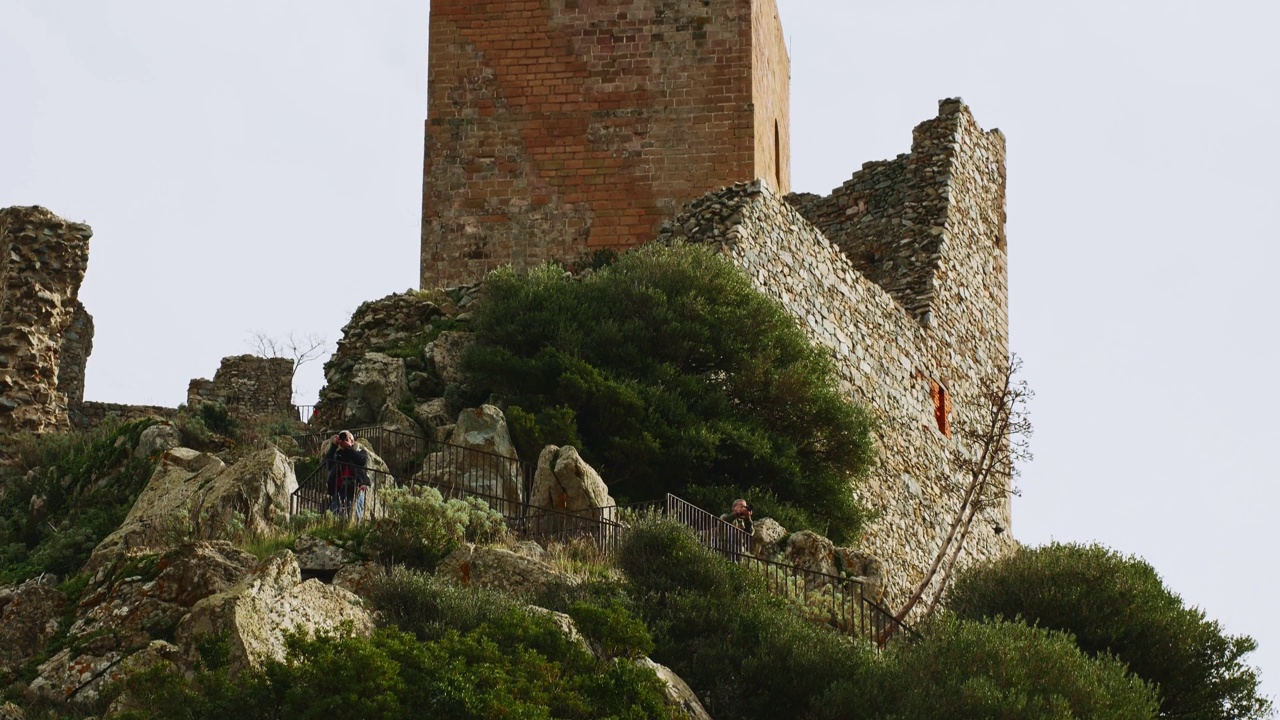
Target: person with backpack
<point>347,474</point>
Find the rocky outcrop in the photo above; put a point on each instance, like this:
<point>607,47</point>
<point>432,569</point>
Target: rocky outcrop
<point>272,601</point>
<point>157,440</point>
<point>42,263</point>
<point>195,495</point>
<point>680,697</point>
<point>140,597</point>
<point>377,381</point>
<point>565,482</point>
<point>497,569</point>
<point>29,615</point>
<point>481,459</point>
<point>810,551</point>
<point>444,356</point>
<point>769,538</point>
<point>865,569</point>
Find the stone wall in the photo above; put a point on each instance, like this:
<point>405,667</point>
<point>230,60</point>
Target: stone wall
<point>89,415</point>
<point>250,386</point>
<point>42,263</point>
<point>77,344</point>
<point>920,379</point>
<point>556,127</point>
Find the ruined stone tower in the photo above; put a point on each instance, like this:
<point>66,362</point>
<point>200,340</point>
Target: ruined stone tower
<point>45,333</point>
<point>558,127</point>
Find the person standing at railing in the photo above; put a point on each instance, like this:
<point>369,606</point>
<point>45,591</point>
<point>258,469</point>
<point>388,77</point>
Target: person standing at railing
<point>739,517</point>
<point>348,474</point>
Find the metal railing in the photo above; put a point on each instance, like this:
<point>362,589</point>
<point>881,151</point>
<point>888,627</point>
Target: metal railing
<point>305,412</point>
<point>505,483</point>
<point>317,493</point>
<point>838,601</point>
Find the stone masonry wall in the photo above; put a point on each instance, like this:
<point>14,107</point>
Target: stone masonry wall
<point>77,343</point>
<point>250,386</point>
<point>556,127</point>
<point>918,378</point>
<point>42,263</point>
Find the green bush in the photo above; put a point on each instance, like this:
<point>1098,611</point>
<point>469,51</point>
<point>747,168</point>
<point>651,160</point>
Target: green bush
<point>1119,605</point>
<point>741,650</point>
<point>420,527</point>
<point>1010,671</point>
<point>64,495</point>
<point>667,369</point>
<point>613,629</point>
<point>512,665</point>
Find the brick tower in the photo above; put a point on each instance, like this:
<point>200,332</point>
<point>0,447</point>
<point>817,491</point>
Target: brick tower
<point>559,127</point>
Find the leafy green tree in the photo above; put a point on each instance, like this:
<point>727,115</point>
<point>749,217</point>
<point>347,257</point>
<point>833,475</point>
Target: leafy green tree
<point>670,372</point>
<point>1119,605</point>
<point>1010,671</point>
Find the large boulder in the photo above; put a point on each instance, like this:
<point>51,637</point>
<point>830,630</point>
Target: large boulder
<point>680,697</point>
<point>141,597</point>
<point>79,678</point>
<point>29,614</point>
<point>497,569</point>
<point>157,440</point>
<point>769,537</point>
<point>377,381</point>
<point>479,459</point>
<point>566,485</point>
<point>866,569</point>
<point>810,551</point>
<point>193,495</point>
<point>445,353</point>
<point>257,613</point>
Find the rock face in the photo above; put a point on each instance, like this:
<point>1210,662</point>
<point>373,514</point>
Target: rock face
<point>810,551</point>
<point>565,483</point>
<point>157,440</point>
<point>377,381</point>
<point>680,696</point>
<point>42,263</point>
<point>480,459</point>
<point>444,356</point>
<point>866,569</point>
<point>496,569</point>
<point>126,606</point>
<point>389,324</point>
<point>769,535</point>
<point>273,600</point>
<point>29,615</point>
<point>196,495</point>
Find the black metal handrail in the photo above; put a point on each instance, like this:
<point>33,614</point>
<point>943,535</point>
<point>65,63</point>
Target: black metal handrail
<point>839,601</point>
<point>315,494</point>
<point>504,483</point>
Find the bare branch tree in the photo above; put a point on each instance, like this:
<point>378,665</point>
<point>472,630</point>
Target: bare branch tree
<point>300,349</point>
<point>986,457</point>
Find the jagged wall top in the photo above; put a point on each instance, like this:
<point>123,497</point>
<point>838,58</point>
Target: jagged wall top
<point>43,259</point>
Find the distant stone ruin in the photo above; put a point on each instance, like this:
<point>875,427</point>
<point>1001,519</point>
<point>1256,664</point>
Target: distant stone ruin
<point>45,333</point>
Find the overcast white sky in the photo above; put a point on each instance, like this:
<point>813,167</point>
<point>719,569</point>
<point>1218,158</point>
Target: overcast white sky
<point>258,166</point>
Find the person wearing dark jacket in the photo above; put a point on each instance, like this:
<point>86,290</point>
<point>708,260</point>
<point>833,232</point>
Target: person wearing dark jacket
<point>347,465</point>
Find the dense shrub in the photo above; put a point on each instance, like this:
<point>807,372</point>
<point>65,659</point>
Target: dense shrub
<point>392,675</point>
<point>1119,605</point>
<point>64,494</point>
<point>740,649</point>
<point>667,370</point>
<point>1013,672</point>
<point>420,527</point>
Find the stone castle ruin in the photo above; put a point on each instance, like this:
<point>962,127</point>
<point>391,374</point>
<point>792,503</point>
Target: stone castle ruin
<point>559,127</point>
<point>46,336</point>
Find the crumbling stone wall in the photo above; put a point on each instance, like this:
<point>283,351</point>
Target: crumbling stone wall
<point>42,263</point>
<point>556,127</point>
<point>919,377</point>
<point>250,386</point>
<point>89,415</point>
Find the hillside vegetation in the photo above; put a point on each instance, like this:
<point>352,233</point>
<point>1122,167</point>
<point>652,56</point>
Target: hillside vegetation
<point>670,373</point>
